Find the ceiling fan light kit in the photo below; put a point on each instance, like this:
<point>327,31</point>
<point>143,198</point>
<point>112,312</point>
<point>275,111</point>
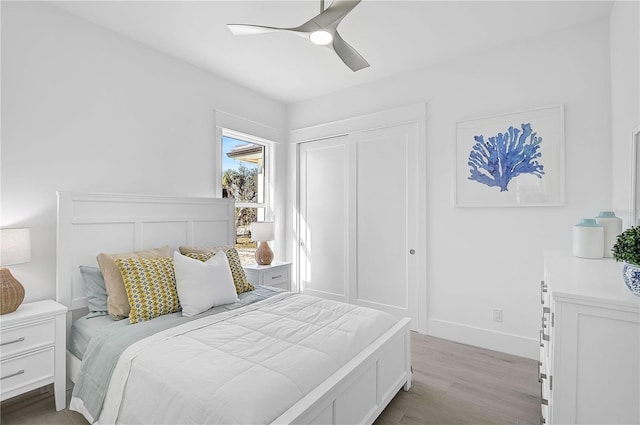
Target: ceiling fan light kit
<point>321,37</point>
<point>321,30</point>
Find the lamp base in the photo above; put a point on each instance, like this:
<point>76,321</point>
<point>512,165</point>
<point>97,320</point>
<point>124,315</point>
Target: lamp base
<point>264,254</point>
<point>11,292</point>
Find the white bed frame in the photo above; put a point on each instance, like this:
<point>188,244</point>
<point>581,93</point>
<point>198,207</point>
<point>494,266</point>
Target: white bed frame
<point>91,223</point>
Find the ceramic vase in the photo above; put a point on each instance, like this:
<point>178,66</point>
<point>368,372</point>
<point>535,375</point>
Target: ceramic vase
<point>631,276</point>
<point>612,226</point>
<point>588,239</point>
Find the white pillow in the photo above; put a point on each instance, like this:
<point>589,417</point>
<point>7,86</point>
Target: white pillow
<point>202,285</point>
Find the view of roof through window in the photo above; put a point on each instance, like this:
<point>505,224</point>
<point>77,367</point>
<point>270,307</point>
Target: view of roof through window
<point>243,180</point>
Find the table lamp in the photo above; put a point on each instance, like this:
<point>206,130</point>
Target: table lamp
<point>15,248</point>
<point>263,232</point>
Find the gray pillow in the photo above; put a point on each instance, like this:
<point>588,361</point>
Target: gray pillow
<point>95,290</point>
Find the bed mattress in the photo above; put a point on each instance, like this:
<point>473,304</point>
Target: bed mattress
<point>86,328</point>
<point>265,356</point>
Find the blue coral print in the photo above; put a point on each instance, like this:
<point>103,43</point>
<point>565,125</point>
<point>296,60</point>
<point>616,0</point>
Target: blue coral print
<point>507,155</point>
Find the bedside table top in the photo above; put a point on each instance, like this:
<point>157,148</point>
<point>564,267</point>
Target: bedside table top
<point>273,264</point>
<point>33,309</point>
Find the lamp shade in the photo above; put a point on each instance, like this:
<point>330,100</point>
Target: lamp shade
<point>262,231</point>
<point>15,246</point>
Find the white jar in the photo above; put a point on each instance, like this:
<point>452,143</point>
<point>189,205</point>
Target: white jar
<point>588,239</point>
<point>612,228</point>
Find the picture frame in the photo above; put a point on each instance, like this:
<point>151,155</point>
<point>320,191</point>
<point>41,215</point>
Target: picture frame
<point>511,160</point>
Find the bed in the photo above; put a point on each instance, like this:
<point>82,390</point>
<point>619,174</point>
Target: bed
<point>274,346</point>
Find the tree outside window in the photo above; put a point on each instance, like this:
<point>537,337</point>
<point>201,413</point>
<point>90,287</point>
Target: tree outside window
<point>243,179</point>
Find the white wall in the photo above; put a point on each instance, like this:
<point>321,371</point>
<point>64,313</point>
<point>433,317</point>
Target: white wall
<point>485,258</point>
<point>624,22</point>
<point>85,109</point>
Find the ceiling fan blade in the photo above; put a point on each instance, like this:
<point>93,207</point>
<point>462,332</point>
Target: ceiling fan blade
<point>330,17</point>
<point>348,54</point>
<point>247,29</point>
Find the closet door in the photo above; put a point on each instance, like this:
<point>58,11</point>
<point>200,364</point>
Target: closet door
<point>359,217</point>
<point>385,220</point>
<point>323,225</point>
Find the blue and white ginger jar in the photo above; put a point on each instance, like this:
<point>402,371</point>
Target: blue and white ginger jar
<point>631,276</point>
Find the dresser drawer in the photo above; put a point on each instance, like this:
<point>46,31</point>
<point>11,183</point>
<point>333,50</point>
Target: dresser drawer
<point>21,339</point>
<point>276,277</point>
<point>27,372</point>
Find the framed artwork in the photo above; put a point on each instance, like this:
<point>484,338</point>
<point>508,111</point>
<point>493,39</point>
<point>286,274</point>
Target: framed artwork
<point>511,160</point>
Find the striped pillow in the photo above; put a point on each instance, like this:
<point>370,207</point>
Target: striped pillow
<point>151,287</point>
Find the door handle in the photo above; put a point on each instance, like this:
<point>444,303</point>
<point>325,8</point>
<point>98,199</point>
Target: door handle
<point>412,251</point>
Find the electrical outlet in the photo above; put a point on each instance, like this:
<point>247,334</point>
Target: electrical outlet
<point>497,315</point>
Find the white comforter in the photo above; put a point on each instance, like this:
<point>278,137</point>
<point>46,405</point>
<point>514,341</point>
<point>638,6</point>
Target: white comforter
<point>247,366</point>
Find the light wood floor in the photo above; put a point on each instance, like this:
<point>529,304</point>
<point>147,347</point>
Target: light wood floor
<point>452,384</point>
<point>459,384</point>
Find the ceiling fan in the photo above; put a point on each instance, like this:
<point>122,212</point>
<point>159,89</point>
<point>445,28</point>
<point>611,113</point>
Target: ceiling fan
<point>321,30</point>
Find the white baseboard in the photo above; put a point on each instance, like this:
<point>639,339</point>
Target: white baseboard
<point>479,337</point>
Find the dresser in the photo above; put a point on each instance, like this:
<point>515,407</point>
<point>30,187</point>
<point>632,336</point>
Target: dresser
<point>277,274</point>
<point>33,350</point>
<point>589,369</point>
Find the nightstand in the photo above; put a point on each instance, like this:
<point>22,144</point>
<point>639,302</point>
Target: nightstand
<point>277,274</point>
<point>33,350</point>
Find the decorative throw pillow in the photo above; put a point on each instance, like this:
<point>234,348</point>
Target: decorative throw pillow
<point>151,287</point>
<point>95,291</point>
<point>117,300</point>
<point>202,285</point>
<point>239,276</point>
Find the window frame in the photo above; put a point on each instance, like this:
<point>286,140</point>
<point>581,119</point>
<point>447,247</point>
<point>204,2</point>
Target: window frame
<point>264,208</point>
<point>266,169</point>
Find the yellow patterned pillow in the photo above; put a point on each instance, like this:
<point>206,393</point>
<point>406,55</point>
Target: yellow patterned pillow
<point>239,276</point>
<point>151,287</point>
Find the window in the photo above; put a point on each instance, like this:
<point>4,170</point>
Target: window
<point>244,178</point>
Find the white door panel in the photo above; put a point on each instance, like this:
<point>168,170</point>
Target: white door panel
<point>323,218</point>
<point>358,219</point>
<point>386,272</point>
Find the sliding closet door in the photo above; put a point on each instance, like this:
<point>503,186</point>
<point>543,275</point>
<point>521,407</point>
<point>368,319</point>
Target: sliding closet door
<point>359,219</point>
<point>385,231</point>
<point>323,218</point>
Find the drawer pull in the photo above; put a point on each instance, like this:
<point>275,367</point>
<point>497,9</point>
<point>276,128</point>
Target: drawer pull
<point>12,342</point>
<point>541,375</point>
<point>20,372</point>
<point>543,400</point>
<point>543,337</point>
<point>276,277</point>
<point>543,290</point>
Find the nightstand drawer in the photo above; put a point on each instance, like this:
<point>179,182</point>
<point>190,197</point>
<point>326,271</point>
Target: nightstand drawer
<point>283,285</point>
<point>275,277</point>
<point>27,337</point>
<point>24,373</point>
<point>277,274</point>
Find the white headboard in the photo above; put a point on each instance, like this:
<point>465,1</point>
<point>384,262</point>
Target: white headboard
<point>91,223</point>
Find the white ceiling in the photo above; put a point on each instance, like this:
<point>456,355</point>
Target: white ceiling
<point>394,36</point>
